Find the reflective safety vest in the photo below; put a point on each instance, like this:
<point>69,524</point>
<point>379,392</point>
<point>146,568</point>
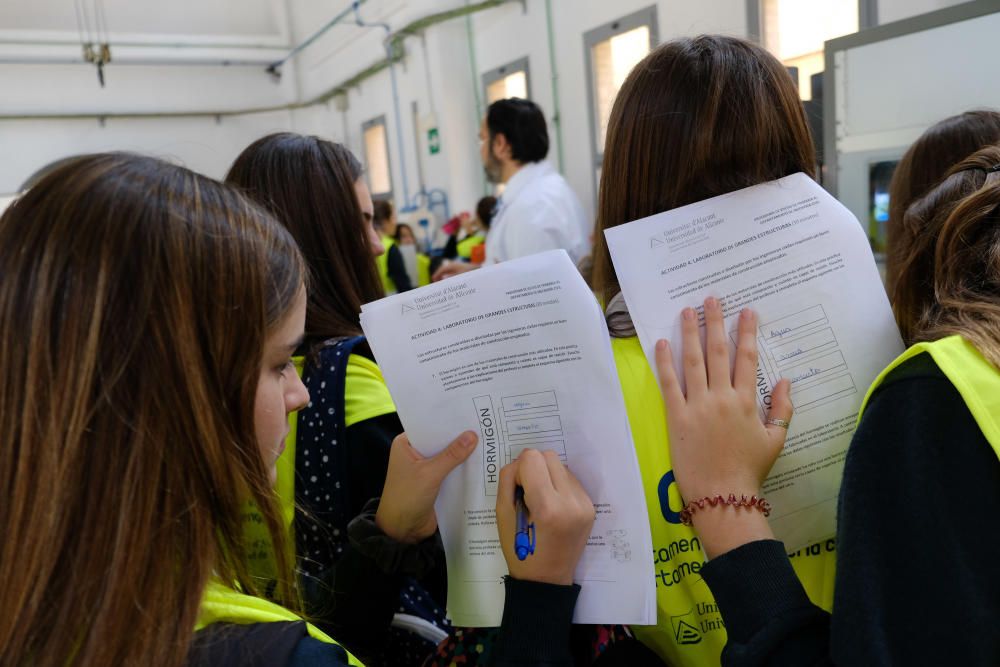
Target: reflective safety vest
<point>260,549</point>
<point>975,378</point>
<point>222,604</point>
<point>689,630</point>
<point>382,261</point>
<point>423,270</point>
<point>465,246</point>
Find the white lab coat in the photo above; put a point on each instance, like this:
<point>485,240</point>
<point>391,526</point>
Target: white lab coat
<point>538,211</point>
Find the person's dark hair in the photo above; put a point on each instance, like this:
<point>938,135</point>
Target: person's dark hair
<point>399,231</point>
<point>134,310</point>
<point>523,124</point>
<point>696,118</point>
<point>307,183</point>
<point>922,167</point>
<point>948,279</point>
<point>382,211</point>
<point>484,210</point>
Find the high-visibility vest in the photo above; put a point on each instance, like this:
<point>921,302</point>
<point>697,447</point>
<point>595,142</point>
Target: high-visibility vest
<point>689,629</point>
<point>975,378</point>
<point>222,604</point>
<point>465,246</point>
<point>382,261</point>
<point>423,269</point>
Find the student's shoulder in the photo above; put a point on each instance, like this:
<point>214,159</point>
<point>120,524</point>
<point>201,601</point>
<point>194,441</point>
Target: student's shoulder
<point>921,367</point>
<point>262,645</point>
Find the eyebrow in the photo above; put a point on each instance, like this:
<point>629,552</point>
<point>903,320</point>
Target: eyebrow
<point>366,215</point>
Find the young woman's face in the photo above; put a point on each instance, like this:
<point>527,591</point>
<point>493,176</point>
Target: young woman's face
<point>406,236</point>
<point>368,216</point>
<point>280,390</point>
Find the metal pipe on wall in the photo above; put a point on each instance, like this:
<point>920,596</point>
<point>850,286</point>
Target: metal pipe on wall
<point>556,113</point>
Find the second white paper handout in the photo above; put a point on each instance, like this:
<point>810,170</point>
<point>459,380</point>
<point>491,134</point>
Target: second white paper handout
<point>794,254</point>
<point>519,353</point>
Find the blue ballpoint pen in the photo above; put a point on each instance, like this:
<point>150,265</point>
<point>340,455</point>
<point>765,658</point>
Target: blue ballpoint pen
<point>524,539</point>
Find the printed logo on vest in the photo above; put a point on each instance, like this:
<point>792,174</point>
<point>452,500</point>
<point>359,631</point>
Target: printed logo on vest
<point>663,491</point>
<point>684,632</point>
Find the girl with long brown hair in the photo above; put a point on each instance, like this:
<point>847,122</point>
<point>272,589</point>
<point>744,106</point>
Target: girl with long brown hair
<point>128,406</point>
<point>698,117</point>
<point>338,459</point>
<point>917,581</point>
<point>923,166</point>
<point>149,316</point>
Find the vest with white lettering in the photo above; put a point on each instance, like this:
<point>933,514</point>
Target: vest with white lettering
<point>689,629</point>
<point>222,604</point>
<point>975,378</point>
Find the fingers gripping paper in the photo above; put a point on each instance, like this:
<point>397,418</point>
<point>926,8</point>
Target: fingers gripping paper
<point>794,254</point>
<point>519,353</point>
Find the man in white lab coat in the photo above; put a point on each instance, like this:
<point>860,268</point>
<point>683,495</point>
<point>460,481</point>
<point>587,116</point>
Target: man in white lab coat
<point>537,210</point>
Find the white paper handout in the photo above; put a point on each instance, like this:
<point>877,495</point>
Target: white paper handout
<point>519,353</point>
<point>800,259</point>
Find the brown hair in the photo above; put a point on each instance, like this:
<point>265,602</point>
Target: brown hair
<point>307,183</point>
<point>922,167</point>
<point>381,212</point>
<point>696,118</point>
<point>956,233</point>
<point>484,210</point>
<point>135,302</point>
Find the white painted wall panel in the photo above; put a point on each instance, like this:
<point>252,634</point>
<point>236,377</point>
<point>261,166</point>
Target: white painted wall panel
<point>201,144</point>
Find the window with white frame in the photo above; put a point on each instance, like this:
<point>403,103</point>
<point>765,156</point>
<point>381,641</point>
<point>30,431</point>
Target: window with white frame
<point>377,158</point>
<point>510,80</point>
<point>611,51</point>
<point>795,30</point>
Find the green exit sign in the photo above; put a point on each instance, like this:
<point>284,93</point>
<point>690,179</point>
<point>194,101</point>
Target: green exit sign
<point>433,141</point>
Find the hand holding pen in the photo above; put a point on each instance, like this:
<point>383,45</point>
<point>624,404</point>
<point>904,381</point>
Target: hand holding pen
<point>557,507</point>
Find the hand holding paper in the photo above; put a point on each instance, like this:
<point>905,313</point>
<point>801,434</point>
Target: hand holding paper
<point>519,353</point>
<point>796,256</point>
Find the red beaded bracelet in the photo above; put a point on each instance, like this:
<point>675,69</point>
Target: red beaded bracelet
<point>753,502</point>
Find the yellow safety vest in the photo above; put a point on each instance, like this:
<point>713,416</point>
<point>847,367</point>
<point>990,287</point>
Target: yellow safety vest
<point>369,398</point>
<point>382,261</point>
<point>260,549</point>
<point>222,604</point>
<point>689,629</point>
<point>465,246</point>
<point>975,378</point>
<point>423,270</point>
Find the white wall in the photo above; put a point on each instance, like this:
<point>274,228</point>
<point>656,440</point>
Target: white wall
<point>442,57</point>
<point>499,35</point>
<point>39,40</point>
<point>202,144</point>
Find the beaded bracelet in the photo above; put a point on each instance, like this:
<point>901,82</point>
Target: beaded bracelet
<point>753,502</point>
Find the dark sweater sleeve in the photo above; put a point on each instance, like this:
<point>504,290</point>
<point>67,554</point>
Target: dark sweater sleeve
<point>397,270</point>
<point>311,652</point>
<point>917,581</point>
<point>535,629</point>
<point>917,550</point>
<point>368,444</point>
<point>355,600</point>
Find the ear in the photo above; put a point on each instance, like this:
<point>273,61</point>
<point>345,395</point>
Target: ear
<point>501,147</point>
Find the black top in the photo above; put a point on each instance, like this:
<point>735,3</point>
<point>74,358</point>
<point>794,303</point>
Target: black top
<point>918,547</point>
<point>397,270</point>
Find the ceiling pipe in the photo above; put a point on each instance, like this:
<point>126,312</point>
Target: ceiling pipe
<point>395,54</point>
<point>275,67</point>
